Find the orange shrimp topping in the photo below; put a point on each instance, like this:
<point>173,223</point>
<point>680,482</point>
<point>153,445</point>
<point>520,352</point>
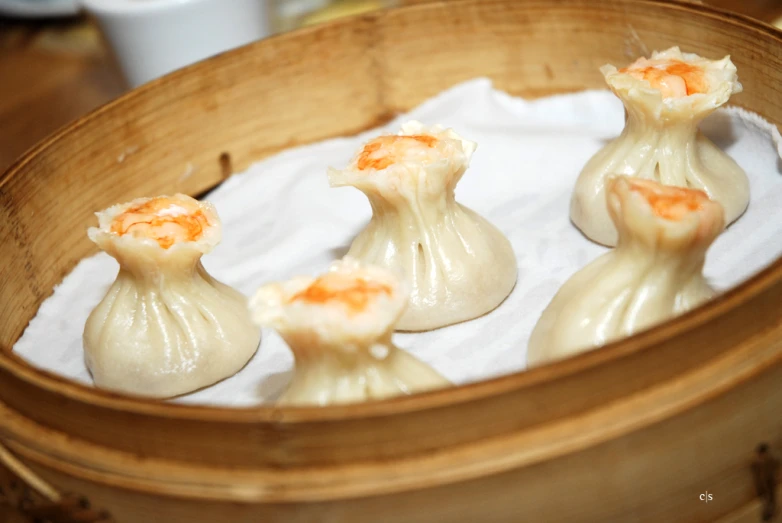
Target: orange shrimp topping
<point>385,150</point>
<point>165,220</point>
<point>670,203</point>
<point>673,78</point>
<point>353,293</point>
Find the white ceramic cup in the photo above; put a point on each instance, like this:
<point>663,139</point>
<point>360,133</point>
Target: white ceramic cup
<point>153,37</point>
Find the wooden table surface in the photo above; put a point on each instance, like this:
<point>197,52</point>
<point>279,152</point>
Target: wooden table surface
<point>52,72</point>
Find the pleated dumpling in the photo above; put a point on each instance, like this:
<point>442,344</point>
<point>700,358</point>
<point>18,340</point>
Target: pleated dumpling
<point>665,98</point>
<point>339,327</point>
<point>654,273</point>
<point>458,265</point>
<point>165,326</point>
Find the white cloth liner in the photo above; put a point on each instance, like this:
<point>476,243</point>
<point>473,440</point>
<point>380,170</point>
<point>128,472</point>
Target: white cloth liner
<point>281,219</point>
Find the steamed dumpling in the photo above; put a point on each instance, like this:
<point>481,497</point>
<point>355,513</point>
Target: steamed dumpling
<point>165,327</point>
<point>458,265</point>
<point>339,327</point>
<point>665,98</point>
<point>654,273</point>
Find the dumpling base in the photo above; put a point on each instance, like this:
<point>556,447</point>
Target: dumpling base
<point>167,340</point>
<point>458,265</point>
<point>340,378</point>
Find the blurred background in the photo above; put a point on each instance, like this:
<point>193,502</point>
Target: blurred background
<point>60,59</point>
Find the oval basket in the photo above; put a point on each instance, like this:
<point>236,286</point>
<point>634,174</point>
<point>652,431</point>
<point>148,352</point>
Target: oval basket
<point>635,431</point>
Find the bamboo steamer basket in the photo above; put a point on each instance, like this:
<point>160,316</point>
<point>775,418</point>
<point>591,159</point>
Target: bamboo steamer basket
<point>635,431</point>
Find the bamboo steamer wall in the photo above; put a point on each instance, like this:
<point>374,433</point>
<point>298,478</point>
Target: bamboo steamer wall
<point>632,432</point>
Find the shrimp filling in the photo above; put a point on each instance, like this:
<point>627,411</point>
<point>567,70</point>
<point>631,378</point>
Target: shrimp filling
<point>673,78</point>
<point>165,220</point>
<point>388,150</point>
<point>353,293</point>
<point>670,203</point>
